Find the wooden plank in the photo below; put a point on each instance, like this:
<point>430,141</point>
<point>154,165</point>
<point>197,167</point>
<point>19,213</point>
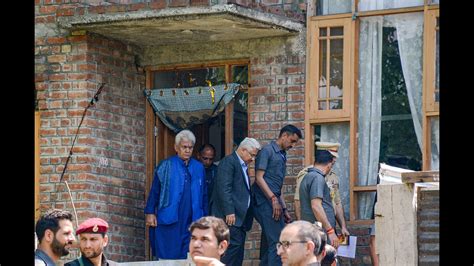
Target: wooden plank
<point>37,164</point>
<point>353,125</point>
<point>364,188</point>
<point>395,222</point>
<point>420,176</point>
<point>199,65</point>
<point>149,127</point>
<point>385,12</point>
<point>308,131</point>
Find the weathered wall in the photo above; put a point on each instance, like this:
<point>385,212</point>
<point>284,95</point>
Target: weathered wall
<point>428,227</point>
<point>107,170</point>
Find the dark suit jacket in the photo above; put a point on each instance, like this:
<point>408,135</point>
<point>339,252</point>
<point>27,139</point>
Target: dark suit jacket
<point>230,192</point>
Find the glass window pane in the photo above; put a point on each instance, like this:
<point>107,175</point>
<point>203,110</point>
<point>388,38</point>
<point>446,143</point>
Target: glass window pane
<point>240,117</point>
<point>327,7</point>
<point>365,208</point>
<point>337,31</point>
<point>240,74</point>
<point>322,69</point>
<point>323,31</point>
<point>335,104</point>
<point>322,105</point>
<point>338,132</point>
<point>386,126</point>
<point>189,78</point>
<point>434,143</point>
<point>336,68</point>
<point>434,1</point>
<point>366,5</point>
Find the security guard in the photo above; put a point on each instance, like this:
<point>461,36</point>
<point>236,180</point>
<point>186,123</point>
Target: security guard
<point>93,239</point>
<point>332,182</point>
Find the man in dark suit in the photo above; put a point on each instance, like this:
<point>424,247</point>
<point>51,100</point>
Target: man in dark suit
<point>231,198</point>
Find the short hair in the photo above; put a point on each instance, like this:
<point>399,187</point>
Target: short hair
<point>291,130</point>
<point>250,143</point>
<point>308,232</point>
<point>331,255</point>
<point>324,240</point>
<point>221,231</point>
<point>207,146</point>
<point>323,157</point>
<point>184,134</point>
<point>50,220</point>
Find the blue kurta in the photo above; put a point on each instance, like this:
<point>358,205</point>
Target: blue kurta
<point>177,197</point>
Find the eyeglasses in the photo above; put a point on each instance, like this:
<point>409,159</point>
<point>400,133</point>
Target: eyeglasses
<point>184,147</point>
<point>253,155</point>
<point>286,244</point>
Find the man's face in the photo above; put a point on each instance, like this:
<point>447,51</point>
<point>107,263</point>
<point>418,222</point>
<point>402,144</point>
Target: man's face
<point>63,239</point>
<point>249,155</point>
<point>289,141</point>
<point>204,243</point>
<point>291,252</point>
<point>92,245</point>
<point>206,157</point>
<point>184,149</point>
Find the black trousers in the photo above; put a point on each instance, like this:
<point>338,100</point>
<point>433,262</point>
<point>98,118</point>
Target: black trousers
<point>234,255</point>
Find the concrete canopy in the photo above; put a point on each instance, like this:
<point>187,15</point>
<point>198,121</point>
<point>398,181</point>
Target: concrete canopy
<point>185,25</point>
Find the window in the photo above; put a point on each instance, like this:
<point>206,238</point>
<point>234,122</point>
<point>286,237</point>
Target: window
<point>328,82</point>
<point>380,97</point>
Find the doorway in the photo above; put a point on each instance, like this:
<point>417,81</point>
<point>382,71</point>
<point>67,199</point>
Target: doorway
<point>224,131</point>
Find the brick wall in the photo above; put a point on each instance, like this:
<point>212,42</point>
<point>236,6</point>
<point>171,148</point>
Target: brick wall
<point>107,170</point>
<point>428,227</point>
<point>276,98</point>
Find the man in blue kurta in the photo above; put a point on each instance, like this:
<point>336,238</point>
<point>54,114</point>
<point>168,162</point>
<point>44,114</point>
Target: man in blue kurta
<point>178,196</point>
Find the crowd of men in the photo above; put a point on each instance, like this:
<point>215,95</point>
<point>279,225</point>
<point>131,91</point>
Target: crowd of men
<point>197,207</point>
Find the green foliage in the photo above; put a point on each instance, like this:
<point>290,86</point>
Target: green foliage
<point>398,143</point>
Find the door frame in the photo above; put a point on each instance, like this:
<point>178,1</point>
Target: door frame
<point>157,147</point>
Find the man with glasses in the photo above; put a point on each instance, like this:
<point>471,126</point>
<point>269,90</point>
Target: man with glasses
<point>177,197</point>
<point>231,199</point>
<point>299,243</point>
<point>314,193</point>
<point>269,204</point>
<point>206,155</point>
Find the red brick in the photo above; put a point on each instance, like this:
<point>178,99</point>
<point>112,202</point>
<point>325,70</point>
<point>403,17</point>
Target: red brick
<point>159,4</point>
<point>115,8</point>
<point>56,40</point>
<point>135,7</point>
<point>65,12</point>
<point>97,9</point>
<point>199,2</point>
<point>47,9</point>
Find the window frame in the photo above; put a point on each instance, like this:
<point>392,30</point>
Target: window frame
<point>430,11</point>
<point>314,67</point>
<point>430,106</point>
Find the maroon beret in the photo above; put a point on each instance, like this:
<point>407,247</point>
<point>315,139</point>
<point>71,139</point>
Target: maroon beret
<point>93,225</point>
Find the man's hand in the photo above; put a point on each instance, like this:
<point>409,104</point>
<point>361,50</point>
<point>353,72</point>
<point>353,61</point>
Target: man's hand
<point>276,209</point>
<point>200,260</point>
<point>334,240</point>
<point>151,220</point>
<point>287,216</point>
<point>230,219</point>
<point>345,232</point>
